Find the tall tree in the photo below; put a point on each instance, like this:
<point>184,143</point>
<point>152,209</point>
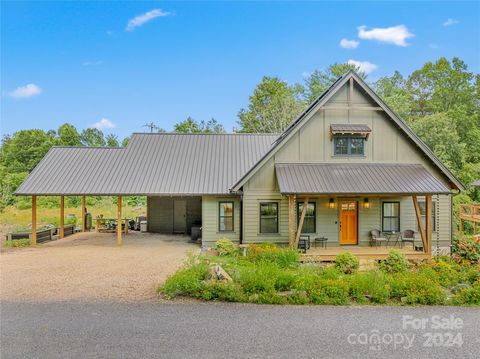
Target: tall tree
<point>92,137</point>
<point>68,135</point>
<point>192,126</point>
<point>273,105</point>
<point>393,90</point>
<point>112,140</point>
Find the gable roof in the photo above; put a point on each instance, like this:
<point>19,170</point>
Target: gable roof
<point>151,164</point>
<point>323,98</point>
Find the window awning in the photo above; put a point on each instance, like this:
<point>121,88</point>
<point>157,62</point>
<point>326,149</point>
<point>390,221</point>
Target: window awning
<point>357,178</point>
<point>350,129</point>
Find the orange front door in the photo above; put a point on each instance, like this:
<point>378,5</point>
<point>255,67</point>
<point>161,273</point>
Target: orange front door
<point>348,222</point>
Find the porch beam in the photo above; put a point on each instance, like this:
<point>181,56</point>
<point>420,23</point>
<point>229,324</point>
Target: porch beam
<point>62,217</point>
<point>428,222</point>
<point>291,219</point>
<point>84,224</point>
<point>119,221</point>
<point>419,222</point>
<point>33,239</point>
<point>300,224</point>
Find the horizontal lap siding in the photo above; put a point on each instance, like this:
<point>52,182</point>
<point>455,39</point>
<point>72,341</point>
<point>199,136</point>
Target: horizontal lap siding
<point>210,232</point>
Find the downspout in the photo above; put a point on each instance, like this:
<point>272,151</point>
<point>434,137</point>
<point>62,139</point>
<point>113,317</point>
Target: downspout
<point>241,219</point>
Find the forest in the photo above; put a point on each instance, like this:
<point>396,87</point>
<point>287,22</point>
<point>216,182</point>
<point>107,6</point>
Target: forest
<point>440,101</point>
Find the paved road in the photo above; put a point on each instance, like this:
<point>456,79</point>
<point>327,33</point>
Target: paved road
<point>198,330</point>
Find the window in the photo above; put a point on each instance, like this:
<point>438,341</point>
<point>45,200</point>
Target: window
<point>309,223</point>
<point>348,146</point>
<point>421,205</point>
<point>225,217</point>
<point>269,217</point>
<point>391,217</point>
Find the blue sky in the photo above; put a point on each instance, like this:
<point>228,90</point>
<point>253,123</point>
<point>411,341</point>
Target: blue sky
<point>81,62</point>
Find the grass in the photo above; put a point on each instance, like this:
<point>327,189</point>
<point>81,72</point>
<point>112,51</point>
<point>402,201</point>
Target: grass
<point>23,242</point>
<point>270,275</point>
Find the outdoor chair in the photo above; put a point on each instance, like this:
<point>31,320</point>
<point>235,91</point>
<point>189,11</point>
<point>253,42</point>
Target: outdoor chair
<point>408,236</point>
<point>377,238</point>
<point>304,243</point>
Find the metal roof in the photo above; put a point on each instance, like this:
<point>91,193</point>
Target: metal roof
<point>357,178</point>
<point>349,128</point>
<point>151,164</point>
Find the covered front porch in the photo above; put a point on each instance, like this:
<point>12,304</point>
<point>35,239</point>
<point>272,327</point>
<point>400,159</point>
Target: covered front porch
<point>328,254</point>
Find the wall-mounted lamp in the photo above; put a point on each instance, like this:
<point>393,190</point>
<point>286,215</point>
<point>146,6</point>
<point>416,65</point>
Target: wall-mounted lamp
<point>366,203</point>
<point>331,203</point>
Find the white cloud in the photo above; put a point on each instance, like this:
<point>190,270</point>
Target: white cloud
<point>349,44</point>
<point>93,63</point>
<point>144,18</point>
<point>450,22</point>
<point>103,124</point>
<point>364,66</point>
<point>396,35</point>
<point>26,91</point>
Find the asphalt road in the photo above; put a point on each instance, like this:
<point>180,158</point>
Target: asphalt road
<point>198,330</point>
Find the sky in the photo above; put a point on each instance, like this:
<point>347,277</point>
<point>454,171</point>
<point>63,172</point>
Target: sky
<point>119,65</point>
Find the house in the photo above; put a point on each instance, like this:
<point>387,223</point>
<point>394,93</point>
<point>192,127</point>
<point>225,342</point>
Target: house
<point>345,166</point>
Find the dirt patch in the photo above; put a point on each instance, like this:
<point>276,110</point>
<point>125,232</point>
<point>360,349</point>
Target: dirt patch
<point>89,266</point>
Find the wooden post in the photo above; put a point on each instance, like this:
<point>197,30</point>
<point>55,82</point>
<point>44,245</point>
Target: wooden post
<point>300,224</point>
<point>291,219</point>
<point>83,214</point>
<point>428,222</point>
<point>62,217</point>
<point>419,221</point>
<point>119,221</point>
<point>33,239</point>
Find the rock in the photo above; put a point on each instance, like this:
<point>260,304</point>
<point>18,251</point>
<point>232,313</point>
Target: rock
<point>457,288</point>
<point>218,273</point>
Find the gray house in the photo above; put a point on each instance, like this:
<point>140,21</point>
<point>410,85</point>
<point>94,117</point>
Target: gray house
<point>346,166</point>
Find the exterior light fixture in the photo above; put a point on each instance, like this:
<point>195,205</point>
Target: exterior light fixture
<point>366,203</point>
<point>331,203</point>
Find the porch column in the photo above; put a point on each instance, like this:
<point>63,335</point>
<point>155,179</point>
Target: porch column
<point>300,224</point>
<point>428,222</point>
<point>291,219</point>
<point>62,217</point>
<point>119,221</point>
<point>33,239</point>
<point>419,222</point>
<point>83,214</point>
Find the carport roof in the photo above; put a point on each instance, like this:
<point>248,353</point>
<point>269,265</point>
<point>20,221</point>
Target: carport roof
<point>151,164</point>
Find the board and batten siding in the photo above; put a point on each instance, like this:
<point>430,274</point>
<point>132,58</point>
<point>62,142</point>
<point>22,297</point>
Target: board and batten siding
<point>160,213</point>
<point>210,225</point>
<point>312,143</point>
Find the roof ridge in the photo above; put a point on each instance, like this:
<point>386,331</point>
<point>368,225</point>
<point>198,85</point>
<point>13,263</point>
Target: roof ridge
<point>92,147</point>
<point>205,134</point>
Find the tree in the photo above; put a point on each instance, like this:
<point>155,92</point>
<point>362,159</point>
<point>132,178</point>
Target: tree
<point>92,137</point>
<point>394,92</point>
<point>273,105</point>
<point>68,135</point>
<point>191,126</point>
<point>125,141</point>
<point>112,140</point>
<point>318,81</point>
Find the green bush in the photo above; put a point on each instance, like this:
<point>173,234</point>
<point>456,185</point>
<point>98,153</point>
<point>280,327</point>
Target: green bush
<point>269,252</point>
<point>470,296</point>
<point>188,281</point>
<point>396,262</point>
<point>466,249</point>
<point>223,291</point>
<point>369,287</point>
<point>260,278</point>
<point>330,291</point>
<point>346,263</point>
<point>226,247</point>
<point>23,242</point>
<point>414,288</point>
<point>444,273</point>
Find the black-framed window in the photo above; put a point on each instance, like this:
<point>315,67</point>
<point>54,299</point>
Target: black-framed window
<point>423,212</point>
<point>269,217</point>
<point>225,216</point>
<point>391,216</point>
<point>348,146</point>
<point>310,222</point>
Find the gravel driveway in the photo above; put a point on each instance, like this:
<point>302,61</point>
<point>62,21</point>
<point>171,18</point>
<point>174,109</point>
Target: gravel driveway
<point>89,266</point>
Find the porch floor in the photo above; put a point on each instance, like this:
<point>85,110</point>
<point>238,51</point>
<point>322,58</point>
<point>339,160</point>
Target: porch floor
<point>329,254</point>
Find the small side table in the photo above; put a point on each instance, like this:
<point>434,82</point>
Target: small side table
<point>323,241</point>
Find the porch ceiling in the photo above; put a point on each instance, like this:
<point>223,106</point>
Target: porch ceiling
<point>357,178</point>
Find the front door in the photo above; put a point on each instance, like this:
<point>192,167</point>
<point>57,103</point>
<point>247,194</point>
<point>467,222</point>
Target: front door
<point>348,222</point>
<point>179,216</point>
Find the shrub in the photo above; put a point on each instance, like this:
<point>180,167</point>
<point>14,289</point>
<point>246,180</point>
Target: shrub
<point>23,242</point>
<point>370,286</point>
<point>396,262</point>
<point>224,291</point>
<point>466,249</point>
<point>443,272</point>
<point>330,291</point>
<point>346,263</point>
<point>414,288</point>
<point>469,296</point>
<point>226,247</point>
<point>260,278</point>
<point>187,281</point>
<point>269,252</point>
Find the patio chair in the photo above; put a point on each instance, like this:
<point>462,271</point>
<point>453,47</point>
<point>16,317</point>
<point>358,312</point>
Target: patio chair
<point>407,236</point>
<point>304,243</point>
<point>377,238</point>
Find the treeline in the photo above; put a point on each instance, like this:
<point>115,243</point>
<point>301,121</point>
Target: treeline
<point>440,102</point>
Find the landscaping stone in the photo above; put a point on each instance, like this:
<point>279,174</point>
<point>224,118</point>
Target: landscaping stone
<point>218,273</point>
